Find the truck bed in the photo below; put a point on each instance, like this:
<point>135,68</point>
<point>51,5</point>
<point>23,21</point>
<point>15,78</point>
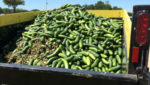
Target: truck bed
<point>23,74</point>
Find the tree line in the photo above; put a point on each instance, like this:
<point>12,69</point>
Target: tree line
<point>100,5</point>
<point>8,10</point>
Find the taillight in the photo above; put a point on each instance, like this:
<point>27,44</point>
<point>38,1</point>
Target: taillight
<point>142,28</point>
<point>135,54</point>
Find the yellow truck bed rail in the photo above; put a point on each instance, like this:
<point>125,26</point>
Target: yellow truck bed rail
<point>15,18</point>
<point>9,19</point>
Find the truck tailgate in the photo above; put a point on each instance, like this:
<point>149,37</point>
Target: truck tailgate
<point>22,74</point>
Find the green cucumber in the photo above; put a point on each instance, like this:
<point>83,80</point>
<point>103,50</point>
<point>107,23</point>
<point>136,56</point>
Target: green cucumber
<point>58,64</point>
<point>110,52</point>
<point>119,51</point>
<point>110,61</point>
<point>103,69</point>
<point>81,43</point>
<point>55,52</point>
<point>103,55</point>
<point>65,63</point>
<point>118,59</point>
<point>100,47</point>
<point>95,63</point>
<point>105,61</point>
<point>114,62</point>
<point>71,49</point>
<point>50,60</point>
<point>35,62</point>
<point>94,53</point>
<point>95,69</point>
<point>62,55</point>
<point>31,62</point>
<point>91,56</point>
<point>100,64</point>
<point>108,36</point>
<point>93,48</point>
<point>114,68</point>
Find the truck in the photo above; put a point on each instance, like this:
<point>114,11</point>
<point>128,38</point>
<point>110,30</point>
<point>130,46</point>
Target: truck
<point>136,37</point>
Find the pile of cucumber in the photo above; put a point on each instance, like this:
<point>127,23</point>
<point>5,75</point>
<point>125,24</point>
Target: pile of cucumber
<point>85,42</point>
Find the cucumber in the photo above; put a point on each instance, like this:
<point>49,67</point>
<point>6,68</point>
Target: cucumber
<point>87,27</point>
<point>67,43</point>
<point>84,66</point>
<point>76,46</point>
<point>105,52</point>
<point>95,63</point>
<point>119,51</point>
<point>69,58</point>
<point>84,53</point>
<point>116,52</point>
<point>114,62</point>
<point>86,60</point>
<point>58,64</point>
<point>93,48</point>
<point>118,59</point>
<point>50,60</point>
<point>71,49</point>
<point>100,64</point>
<point>103,69</point>
<point>65,63</point>
<point>76,40</point>
<point>94,53</point>
<point>106,69</point>
<point>62,55</point>
<point>91,56</point>
<point>114,68</point>
<point>78,67</point>
<point>99,70</point>
<point>67,52</point>
<point>81,43</point>
<point>124,60</point>
<point>108,36</point>
<point>100,47</point>
<point>35,62</point>
<point>31,62</point>
<point>95,69</point>
<point>110,61</point>
<point>105,61</point>
<point>103,55</point>
<point>110,52</point>
<point>87,68</point>
<point>54,63</point>
<point>90,40</point>
<point>55,52</point>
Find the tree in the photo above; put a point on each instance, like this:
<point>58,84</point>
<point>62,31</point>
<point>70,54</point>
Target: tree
<point>116,8</point>
<point>13,3</point>
<point>77,5</point>
<point>1,10</point>
<point>130,13</point>
<point>35,10</point>
<point>6,10</point>
<point>21,10</point>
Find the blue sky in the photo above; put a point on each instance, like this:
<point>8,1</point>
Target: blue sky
<point>40,4</point>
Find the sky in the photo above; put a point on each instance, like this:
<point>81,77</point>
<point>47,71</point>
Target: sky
<point>41,4</point>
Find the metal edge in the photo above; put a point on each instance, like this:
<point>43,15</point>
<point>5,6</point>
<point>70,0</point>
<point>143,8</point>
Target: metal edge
<point>85,74</point>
